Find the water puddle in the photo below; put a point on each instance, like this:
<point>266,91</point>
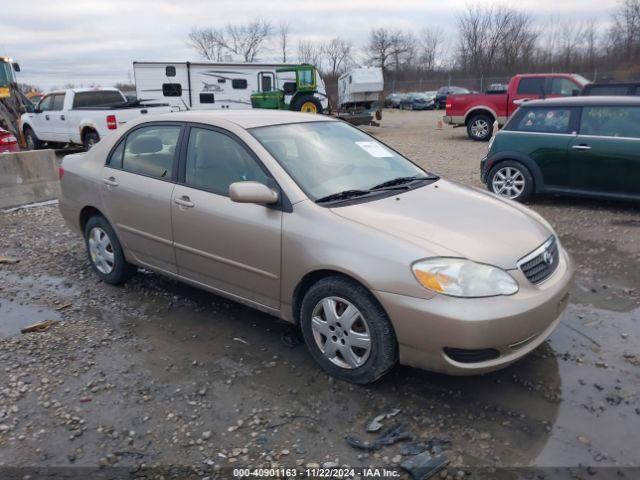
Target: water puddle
<point>14,316</point>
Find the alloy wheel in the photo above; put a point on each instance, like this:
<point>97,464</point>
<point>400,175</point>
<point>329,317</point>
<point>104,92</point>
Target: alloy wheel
<point>508,182</point>
<point>480,128</point>
<point>341,332</point>
<point>101,250</point>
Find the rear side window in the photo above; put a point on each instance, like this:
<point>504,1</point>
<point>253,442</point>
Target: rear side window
<point>150,151</point>
<point>99,98</point>
<point>216,160</point>
<point>171,89</point>
<point>239,83</point>
<point>543,120</point>
<point>563,87</point>
<point>532,85</point>
<point>611,121</point>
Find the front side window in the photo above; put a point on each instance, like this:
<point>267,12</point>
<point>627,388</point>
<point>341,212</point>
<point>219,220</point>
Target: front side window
<point>544,120</point>
<point>611,121</point>
<point>325,158</point>
<point>216,160</point>
<point>150,151</point>
<point>46,103</point>
<point>305,77</point>
<point>531,86</point>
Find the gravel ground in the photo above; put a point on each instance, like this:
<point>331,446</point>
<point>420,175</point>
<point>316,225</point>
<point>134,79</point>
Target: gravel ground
<point>158,378</point>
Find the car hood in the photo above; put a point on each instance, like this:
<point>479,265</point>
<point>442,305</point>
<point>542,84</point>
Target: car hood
<point>447,219</point>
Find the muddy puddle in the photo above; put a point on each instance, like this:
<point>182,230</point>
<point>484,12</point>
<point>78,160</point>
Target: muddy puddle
<point>15,316</point>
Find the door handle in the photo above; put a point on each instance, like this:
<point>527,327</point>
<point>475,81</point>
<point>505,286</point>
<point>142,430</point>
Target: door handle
<point>46,117</point>
<point>62,117</point>
<point>184,201</point>
<point>582,146</point>
<point>111,182</point>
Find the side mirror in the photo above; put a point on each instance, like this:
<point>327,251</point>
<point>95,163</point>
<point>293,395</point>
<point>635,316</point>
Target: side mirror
<point>37,110</point>
<point>16,67</point>
<point>252,192</point>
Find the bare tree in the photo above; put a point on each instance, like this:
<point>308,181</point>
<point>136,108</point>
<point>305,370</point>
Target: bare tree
<point>283,37</point>
<point>386,47</point>
<point>336,54</point>
<point>246,40</point>
<point>311,53</point>
<point>430,44</point>
<point>624,35</point>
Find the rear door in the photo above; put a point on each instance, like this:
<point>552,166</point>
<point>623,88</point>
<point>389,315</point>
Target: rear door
<point>231,247</point>
<point>605,156</point>
<point>58,119</point>
<point>138,181</point>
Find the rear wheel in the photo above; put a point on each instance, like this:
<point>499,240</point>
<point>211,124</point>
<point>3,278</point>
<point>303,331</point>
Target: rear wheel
<point>307,104</point>
<point>480,128</point>
<point>511,180</point>
<point>90,139</point>
<point>33,143</point>
<point>347,332</point>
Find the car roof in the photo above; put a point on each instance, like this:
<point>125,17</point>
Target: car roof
<point>249,118</point>
<point>590,101</point>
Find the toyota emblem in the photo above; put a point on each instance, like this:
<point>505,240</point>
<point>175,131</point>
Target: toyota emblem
<point>547,258</point>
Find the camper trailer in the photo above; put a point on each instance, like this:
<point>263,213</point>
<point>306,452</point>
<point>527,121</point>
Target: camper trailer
<point>211,86</point>
<point>358,94</point>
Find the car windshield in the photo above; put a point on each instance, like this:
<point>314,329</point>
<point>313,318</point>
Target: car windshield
<point>327,158</point>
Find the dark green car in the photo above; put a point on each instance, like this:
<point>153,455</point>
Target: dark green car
<point>587,146</point>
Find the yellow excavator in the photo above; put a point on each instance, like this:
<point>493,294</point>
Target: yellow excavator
<point>13,102</point>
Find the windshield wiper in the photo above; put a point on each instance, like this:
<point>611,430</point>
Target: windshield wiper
<point>401,181</point>
<point>344,195</point>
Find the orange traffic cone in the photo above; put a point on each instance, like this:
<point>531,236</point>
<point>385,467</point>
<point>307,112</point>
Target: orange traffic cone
<point>439,127</point>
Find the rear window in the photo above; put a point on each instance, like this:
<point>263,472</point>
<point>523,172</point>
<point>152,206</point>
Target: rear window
<point>171,89</point>
<point>542,120</point>
<point>98,98</point>
<point>611,121</point>
<point>239,83</point>
<point>532,85</point>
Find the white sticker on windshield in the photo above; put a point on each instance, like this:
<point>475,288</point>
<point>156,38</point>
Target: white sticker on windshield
<point>375,149</point>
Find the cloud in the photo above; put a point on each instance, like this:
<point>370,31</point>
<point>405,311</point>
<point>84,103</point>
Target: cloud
<point>96,41</point>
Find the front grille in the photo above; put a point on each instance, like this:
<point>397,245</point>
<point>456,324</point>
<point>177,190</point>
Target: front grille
<point>542,262</point>
<point>464,355</point>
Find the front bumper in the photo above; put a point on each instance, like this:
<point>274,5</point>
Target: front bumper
<point>513,325</point>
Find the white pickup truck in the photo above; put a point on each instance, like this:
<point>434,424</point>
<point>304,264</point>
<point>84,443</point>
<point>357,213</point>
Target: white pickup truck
<point>80,116</point>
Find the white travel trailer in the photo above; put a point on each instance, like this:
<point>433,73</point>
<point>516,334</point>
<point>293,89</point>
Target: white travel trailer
<point>211,86</point>
<point>358,95</point>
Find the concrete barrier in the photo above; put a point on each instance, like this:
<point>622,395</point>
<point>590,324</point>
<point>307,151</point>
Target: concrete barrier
<point>28,177</point>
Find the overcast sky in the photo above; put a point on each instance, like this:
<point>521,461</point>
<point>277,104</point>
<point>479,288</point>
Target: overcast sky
<point>96,41</point>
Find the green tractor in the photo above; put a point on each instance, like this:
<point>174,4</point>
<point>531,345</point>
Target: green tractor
<point>288,92</point>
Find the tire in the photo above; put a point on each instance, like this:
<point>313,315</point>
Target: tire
<point>33,143</point>
<point>90,139</point>
<point>480,128</point>
<point>358,364</point>
<point>116,270</point>
<point>517,172</point>
<point>307,103</point>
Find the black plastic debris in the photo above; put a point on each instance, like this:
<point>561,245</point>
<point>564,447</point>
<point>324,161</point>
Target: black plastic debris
<point>376,424</point>
<point>291,337</point>
<point>434,446</point>
<point>424,466</point>
<point>387,437</point>
<point>413,448</point>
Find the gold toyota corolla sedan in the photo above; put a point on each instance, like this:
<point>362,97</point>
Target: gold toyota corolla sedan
<point>313,221</point>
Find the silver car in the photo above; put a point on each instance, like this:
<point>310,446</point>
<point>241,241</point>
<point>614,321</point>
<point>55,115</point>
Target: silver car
<point>311,220</point>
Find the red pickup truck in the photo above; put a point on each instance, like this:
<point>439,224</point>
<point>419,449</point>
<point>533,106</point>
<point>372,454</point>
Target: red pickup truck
<point>478,111</point>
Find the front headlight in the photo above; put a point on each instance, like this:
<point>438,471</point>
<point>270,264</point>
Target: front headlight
<point>459,277</point>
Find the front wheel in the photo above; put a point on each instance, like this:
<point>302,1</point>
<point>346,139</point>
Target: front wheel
<point>347,332</point>
<point>480,128</point>
<point>105,252</point>
<point>33,143</point>
<point>511,180</point>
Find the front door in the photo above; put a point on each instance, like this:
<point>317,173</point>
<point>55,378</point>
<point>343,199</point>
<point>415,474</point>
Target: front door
<point>605,156</point>
<point>230,247</point>
<point>137,187</point>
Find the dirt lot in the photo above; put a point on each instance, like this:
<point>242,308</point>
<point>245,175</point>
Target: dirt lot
<point>159,374</point>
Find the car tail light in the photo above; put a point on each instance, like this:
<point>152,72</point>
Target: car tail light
<point>60,172</point>
<point>112,124</point>
<point>8,139</point>
<point>448,105</point>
